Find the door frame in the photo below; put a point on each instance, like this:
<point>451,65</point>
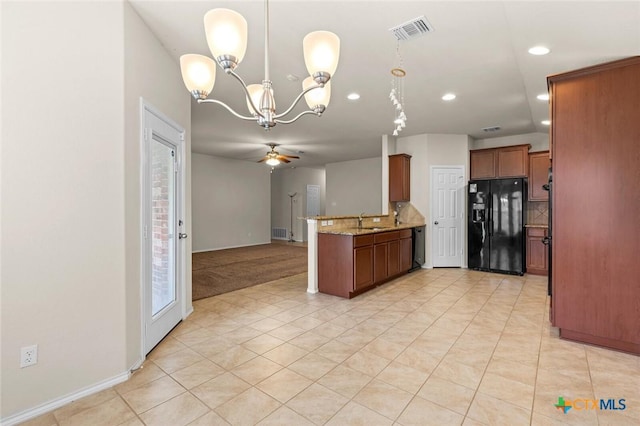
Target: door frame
<point>180,253</point>
<point>433,202</point>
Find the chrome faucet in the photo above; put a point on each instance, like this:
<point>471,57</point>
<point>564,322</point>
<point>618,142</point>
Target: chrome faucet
<point>360,220</point>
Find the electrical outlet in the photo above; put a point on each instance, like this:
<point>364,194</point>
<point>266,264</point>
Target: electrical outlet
<point>28,356</point>
<point>323,223</point>
<point>376,219</point>
<point>330,222</point>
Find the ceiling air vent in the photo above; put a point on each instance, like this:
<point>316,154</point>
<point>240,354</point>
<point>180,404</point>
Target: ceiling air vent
<point>412,29</point>
<point>491,129</point>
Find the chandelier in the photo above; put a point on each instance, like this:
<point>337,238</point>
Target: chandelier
<point>226,33</point>
<point>397,93</point>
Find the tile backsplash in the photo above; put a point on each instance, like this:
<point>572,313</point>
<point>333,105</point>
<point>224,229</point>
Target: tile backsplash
<point>537,212</point>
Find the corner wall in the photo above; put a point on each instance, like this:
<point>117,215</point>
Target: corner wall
<point>428,150</point>
<point>63,184</point>
<point>162,88</point>
<point>354,187</point>
<point>230,203</point>
<point>288,180</point>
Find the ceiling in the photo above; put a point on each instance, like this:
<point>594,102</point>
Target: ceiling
<point>478,50</point>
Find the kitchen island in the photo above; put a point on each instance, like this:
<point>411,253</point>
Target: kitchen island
<point>349,255</point>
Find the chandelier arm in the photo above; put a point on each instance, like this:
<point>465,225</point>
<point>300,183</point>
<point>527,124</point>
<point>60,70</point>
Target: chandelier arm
<point>297,116</point>
<point>215,101</point>
<point>296,100</point>
<point>246,91</point>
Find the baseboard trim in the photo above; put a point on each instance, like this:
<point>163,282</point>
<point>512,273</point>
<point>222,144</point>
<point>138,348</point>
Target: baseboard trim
<point>230,247</point>
<point>59,402</point>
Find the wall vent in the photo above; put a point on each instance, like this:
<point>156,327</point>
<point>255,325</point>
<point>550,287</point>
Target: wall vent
<point>279,233</point>
<point>414,28</point>
<point>491,129</point>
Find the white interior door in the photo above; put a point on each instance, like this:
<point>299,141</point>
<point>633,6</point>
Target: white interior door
<point>163,282</point>
<point>447,215</point>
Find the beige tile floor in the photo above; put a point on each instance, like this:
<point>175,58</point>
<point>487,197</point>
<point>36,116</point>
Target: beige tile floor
<point>441,347</point>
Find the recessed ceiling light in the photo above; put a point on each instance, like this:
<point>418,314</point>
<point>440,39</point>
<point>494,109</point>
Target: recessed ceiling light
<point>546,122</point>
<point>543,97</point>
<point>449,97</point>
<point>539,50</point>
<point>353,96</point>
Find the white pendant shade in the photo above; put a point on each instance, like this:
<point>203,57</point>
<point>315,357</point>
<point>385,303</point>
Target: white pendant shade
<point>321,52</point>
<point>198,73</point>
<point>226,32</point>
<point>255,90</point>
<point>315,97</point>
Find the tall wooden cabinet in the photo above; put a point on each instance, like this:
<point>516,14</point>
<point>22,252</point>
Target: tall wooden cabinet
<point>400,177</point>
<point>595,135</point>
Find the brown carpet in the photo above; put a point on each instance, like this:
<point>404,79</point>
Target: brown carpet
<point>221,271</point>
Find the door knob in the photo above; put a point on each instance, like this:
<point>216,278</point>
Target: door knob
<point>436,222</point>
<point>182,236</point>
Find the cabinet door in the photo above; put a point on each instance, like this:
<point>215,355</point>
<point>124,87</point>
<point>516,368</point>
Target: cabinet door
<point>380,262</point>
<point>362,267</point>
<point>406,254</point>
<point>483,163</point>
<point>537,253</point>
<point>399,177</point>
<point>513,161</point>
<point>393,258</point>
<point>538,175</point>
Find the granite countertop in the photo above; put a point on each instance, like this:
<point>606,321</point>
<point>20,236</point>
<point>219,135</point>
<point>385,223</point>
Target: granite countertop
<point>368,230</point>
<point>536,225</point>
<point>344,217</point>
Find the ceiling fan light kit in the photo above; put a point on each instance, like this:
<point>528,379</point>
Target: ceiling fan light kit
<point>226,33</point>
<point>274,158</point>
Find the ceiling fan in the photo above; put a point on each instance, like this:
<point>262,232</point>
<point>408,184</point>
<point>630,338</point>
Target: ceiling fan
<point>273,157</point>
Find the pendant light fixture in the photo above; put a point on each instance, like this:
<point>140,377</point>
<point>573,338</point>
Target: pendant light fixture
<point>397,93</point>
<point>226,33</point>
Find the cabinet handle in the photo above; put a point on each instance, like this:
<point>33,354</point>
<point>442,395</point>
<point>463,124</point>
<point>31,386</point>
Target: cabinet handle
<point>436,222</point>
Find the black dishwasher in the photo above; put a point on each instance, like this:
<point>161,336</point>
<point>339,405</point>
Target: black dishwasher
<point>417,247</point>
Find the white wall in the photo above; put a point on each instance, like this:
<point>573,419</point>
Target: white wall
<point>230,203</point>
<point>143,52</point>
<point>428,150</point>
<point>70,193</point>
<point>63,183</point>
<point>354,187</point>
<point>538,141</point>
<point>288,180</point>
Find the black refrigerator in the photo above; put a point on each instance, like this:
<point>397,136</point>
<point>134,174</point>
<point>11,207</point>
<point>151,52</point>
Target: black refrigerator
<point>496,232</point>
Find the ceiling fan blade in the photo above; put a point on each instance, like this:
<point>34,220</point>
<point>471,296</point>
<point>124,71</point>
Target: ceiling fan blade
<point>263,160</point>
<point>289,156</point>
<point>284,160</point>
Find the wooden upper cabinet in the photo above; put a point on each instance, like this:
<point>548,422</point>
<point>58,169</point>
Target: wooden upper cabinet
<point>492,163</point>
<point>400,177</point>
<point>483,163</point>
<point>513,161</point>
<point>539,164</point>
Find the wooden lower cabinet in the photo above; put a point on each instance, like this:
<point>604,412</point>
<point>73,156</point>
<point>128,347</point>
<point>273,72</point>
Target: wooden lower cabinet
<point>537,252</point>
<point>362,267</point>
<point>349,265</point>
<point>380,255</point>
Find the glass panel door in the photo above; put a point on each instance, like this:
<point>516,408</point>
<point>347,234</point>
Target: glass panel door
<point>163,224</point>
